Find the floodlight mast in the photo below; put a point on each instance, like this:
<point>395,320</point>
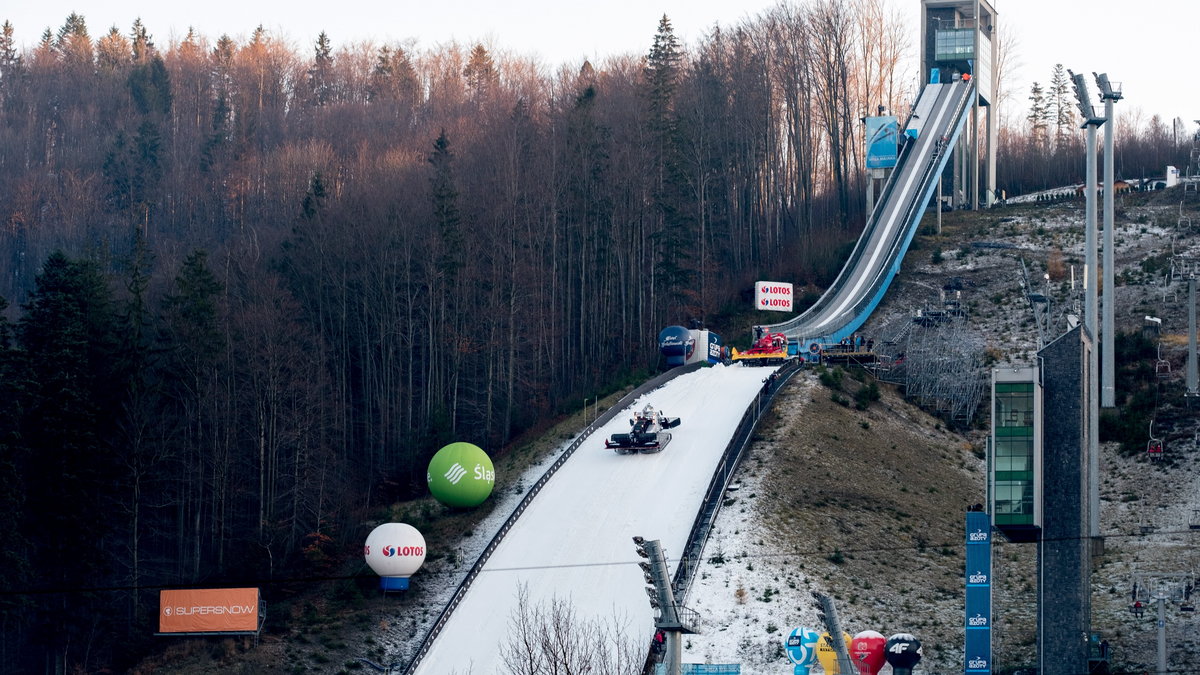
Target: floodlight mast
<point>1091,301</point>
<point>1108,398</point>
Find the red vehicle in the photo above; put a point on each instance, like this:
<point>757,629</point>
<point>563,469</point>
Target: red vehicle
<point>769,350</point>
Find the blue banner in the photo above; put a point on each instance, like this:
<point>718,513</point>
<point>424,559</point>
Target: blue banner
<point>978,606</point>
<point>979,651</point>
<point>881,142</point>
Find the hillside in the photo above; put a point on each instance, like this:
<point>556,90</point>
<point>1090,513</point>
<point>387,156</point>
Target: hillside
<point>865,505</point>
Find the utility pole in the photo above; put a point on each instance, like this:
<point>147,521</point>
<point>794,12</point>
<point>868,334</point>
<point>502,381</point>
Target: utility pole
<point>1110,94</point>
<point>1193,388</point>
<point>1091,123</point>
<point>1161,599</point>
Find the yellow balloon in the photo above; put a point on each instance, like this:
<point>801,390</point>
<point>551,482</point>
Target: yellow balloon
<point>826,655</point>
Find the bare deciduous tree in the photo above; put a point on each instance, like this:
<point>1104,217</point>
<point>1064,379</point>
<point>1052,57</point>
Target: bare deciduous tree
<point>550,638</point>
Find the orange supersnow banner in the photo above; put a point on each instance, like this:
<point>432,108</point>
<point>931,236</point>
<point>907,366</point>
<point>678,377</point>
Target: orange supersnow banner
<point>208,610</point>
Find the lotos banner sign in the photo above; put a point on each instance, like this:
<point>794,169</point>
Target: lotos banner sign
<point>773,295</point>
<point>208,610</point>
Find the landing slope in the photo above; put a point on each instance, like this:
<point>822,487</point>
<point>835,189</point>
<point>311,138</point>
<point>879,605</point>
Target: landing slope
<point>574,541</point>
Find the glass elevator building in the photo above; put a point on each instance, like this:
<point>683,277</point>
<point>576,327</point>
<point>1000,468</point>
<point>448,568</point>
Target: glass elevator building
<point>1015,475</point>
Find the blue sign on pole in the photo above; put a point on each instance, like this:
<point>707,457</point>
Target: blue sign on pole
<point>882,142</point>
<point>978,647</point>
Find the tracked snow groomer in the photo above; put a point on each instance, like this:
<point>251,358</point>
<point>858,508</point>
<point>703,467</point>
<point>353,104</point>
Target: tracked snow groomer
<point>647,433</point>
<point>769,350</point>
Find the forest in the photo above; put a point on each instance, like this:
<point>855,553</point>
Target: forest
<point>250,288</point>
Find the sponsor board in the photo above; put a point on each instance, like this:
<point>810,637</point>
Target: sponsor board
<point>978,609</point>
<point>882,140</point>
<point>208,610</point>
<point>773,295</point>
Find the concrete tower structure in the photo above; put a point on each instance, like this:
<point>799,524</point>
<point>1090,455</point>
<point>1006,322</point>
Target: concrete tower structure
<point>959,37</point>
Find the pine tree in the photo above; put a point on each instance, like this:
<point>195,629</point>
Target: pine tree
<point>314,200</point>
<point>134,170</point>
<point>15,608</point>
<point>445,209</point>
<point>11,68</point>
<point>320,74</point>
<point>113,51</point>
<point>480,72</point>
<point>9,57</point>
<point>670,235</point>
<point>150,86</point>
<point>1063,113</point>
<point>143,47</point>
<point>379,86</point>
<point>68,335</point>
<point>1039,111</point>
<point>73,43</point>
<point>662,74</point>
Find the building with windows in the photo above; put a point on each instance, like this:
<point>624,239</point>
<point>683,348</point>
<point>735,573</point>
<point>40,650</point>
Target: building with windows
<point>1037,485</point>
<point>1016,460</point>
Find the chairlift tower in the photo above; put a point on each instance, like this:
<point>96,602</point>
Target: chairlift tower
<point>960,37</point>
<point>1161,587</point>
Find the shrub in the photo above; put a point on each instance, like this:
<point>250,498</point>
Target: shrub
<point>866,395</point>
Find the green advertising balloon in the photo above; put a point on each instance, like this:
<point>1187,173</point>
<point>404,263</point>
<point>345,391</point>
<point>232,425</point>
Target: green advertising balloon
<point>461,474</point>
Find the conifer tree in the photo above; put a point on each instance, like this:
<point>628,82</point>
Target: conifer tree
<point>1063,113</point>
<point>1039,111</point>
<point>445,208</point>
<point>320,74</point>
<point>670,234</point>
<point>73,43</point>
<point>113,51</point>
<point>11,66</point>
<point>143,46</point>
<point>480,72</point>
<point>68,334</point>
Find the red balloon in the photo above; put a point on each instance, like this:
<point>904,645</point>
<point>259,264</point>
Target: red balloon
<point>866,650</point>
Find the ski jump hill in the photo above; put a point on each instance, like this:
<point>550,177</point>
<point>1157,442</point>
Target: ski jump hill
<point>573,542</point>
<point>940,115</point>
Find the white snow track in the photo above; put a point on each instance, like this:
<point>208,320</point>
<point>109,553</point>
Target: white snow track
<point>574,541</point>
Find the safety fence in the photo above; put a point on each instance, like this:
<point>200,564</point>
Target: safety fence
<point>689,561</point>
<point>475,570</point>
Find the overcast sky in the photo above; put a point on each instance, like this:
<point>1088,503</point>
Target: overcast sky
<point>1150,47</point>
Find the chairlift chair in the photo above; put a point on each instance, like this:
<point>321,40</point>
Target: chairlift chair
<point>1154,447</point>
<point>1147,528</point>
<point>1162,367</point>
<point>1194,523</point>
